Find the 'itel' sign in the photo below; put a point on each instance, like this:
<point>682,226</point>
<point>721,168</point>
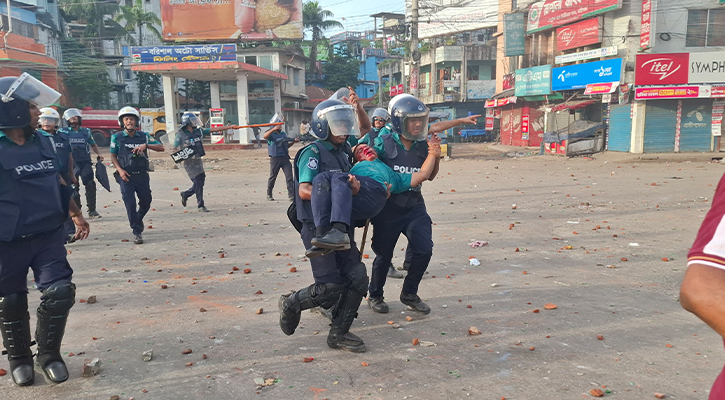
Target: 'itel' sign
<point>577,35</point>
<point>661,69</point>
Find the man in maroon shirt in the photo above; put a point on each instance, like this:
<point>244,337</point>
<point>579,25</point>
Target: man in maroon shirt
<point>703,288</point>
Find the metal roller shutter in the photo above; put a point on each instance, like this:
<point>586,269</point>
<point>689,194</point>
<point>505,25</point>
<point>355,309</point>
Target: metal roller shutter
<point>659,126</point>
<point>620,128</point>
<point>695,125</point>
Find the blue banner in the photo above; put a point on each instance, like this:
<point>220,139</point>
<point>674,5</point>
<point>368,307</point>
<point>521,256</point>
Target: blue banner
<point>513,28</point>
<point>533,81</point>
<point>578,76</point>
<point>191,53</point>
<point>19,14</point>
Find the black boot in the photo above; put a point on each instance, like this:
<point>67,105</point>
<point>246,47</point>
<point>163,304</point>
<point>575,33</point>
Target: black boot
<point>346,312</point>
<point>53,312</point>
<point>316,295</point>
<point>15,326</point>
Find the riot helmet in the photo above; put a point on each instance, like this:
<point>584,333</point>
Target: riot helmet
<point>380,113</point>
<point>128,111</point>
<point>73,112</point>
<point>190,119</point>
<point>409,117</point>
<point>49,116</point>
<point>17,93</point>
<point>336,117</point>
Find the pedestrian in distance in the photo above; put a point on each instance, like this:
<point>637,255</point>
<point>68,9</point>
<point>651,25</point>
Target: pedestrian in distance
<point>190,135</point>
<point>333,203</point>
<point>129,154</point>
<point>49,122</point>
<point>82,142</point>
<point>36,202</point>
<point>703,287</point>
<point>256,131</point>
<point>340,278</point>
<point>278,144</point>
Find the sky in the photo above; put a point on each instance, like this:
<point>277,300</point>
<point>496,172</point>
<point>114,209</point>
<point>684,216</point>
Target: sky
<point>355,14</point>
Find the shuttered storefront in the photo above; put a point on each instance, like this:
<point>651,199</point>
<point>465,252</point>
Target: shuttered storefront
<point>695,125</point>
<point>620,128</point>
<point>659,126</point>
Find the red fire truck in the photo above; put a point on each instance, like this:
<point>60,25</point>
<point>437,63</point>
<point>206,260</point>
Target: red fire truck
<point>104,123</point>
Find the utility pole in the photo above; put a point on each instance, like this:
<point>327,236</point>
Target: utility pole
<point>414,53</point>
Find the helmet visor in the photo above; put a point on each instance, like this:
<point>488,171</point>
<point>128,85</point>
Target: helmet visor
<point>342,120</point>
<point>48,120</point>
<point>31,90</point>
<point>415,126</point>
<point>194,121</point>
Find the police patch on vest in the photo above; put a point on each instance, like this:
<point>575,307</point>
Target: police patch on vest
<point>46,165</point>
<point>312,163</point>
<point>405,170</point>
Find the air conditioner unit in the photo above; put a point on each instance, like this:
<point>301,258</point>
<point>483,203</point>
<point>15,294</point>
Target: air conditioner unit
<point>296,104</point>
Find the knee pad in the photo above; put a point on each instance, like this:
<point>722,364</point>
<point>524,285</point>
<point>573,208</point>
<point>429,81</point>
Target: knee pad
<point>326,295</point>
<point>358,277</point>
<point>58,298</point>
<point>14,307</point>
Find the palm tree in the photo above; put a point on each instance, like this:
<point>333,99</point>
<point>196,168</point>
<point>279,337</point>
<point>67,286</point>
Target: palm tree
<point>93,15</point>
<point>315,18</point>
<point>136,17</point>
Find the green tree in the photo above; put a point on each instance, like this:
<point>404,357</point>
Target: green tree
<point>149,86</point>
<point>86,78</point>
<point>137,18</point>
<point>316,19</point>
<point>341,70</point>
<point>96,17</point>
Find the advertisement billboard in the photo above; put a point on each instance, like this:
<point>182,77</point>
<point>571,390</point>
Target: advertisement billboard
<point>645,25</point>
<point>552,13</point>
<point>578,76</point>
<point>679,68</point>
<point>671,92</point>
<point>534,81</point>
<point>586,55</point>
<point>579,34</point>
<point>175,54</point>
<point>513,28</point>
<point>439,18</point>
<point>187,20</point>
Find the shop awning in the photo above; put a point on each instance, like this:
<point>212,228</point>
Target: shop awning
<point>570,105</point>
<point>553,96</point>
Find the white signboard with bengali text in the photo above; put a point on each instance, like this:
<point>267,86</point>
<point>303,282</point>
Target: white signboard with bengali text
<point>586,55</point>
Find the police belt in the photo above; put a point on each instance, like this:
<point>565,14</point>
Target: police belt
<point>406,199</point>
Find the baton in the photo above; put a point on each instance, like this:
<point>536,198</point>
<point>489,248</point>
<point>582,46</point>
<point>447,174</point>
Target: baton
<point>257,125</point>
<point>365,234</point>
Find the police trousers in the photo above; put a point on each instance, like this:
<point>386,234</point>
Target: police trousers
<point>137,185</point>
<point>44,253</point>
<point>413,222</point>
<point>197,188</point>
<point>283,163</point>
<point>330,268</point>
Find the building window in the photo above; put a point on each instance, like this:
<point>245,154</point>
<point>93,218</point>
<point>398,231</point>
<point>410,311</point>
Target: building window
<point>705,28</point>
<point>296,75</point>
<point>265,62</point>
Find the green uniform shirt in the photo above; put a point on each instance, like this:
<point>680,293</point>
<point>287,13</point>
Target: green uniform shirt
<point>115,145</point>
<point>382,173</point>
<point>308,162</point>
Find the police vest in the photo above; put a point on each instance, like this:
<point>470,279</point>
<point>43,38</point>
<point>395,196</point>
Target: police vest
<point>335,160</point>
<point>279,146</point>
<point>79,143</point>
<point>375,132</point>
<point>405,161</point>
<point>63,150</point>
<point>132,163</point>
<point>193,140</point>
<point>31,198</point>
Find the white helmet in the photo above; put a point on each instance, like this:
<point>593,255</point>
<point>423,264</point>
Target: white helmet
<point>50,115</point>
<point>125,111</point>
<point>72,112</point>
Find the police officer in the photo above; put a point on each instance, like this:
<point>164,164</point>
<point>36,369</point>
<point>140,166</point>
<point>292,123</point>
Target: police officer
<point>190,135</point>
<point>340,278</point>
<point>278,149</point>
<point>404,149</point>
<point>380,118</point>
<point>49,122</point>
<point>34,206</point>
<point>81,141</point>
<point>129,154</point>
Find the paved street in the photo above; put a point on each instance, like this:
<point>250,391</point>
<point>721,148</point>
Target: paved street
<point>603,239</point>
